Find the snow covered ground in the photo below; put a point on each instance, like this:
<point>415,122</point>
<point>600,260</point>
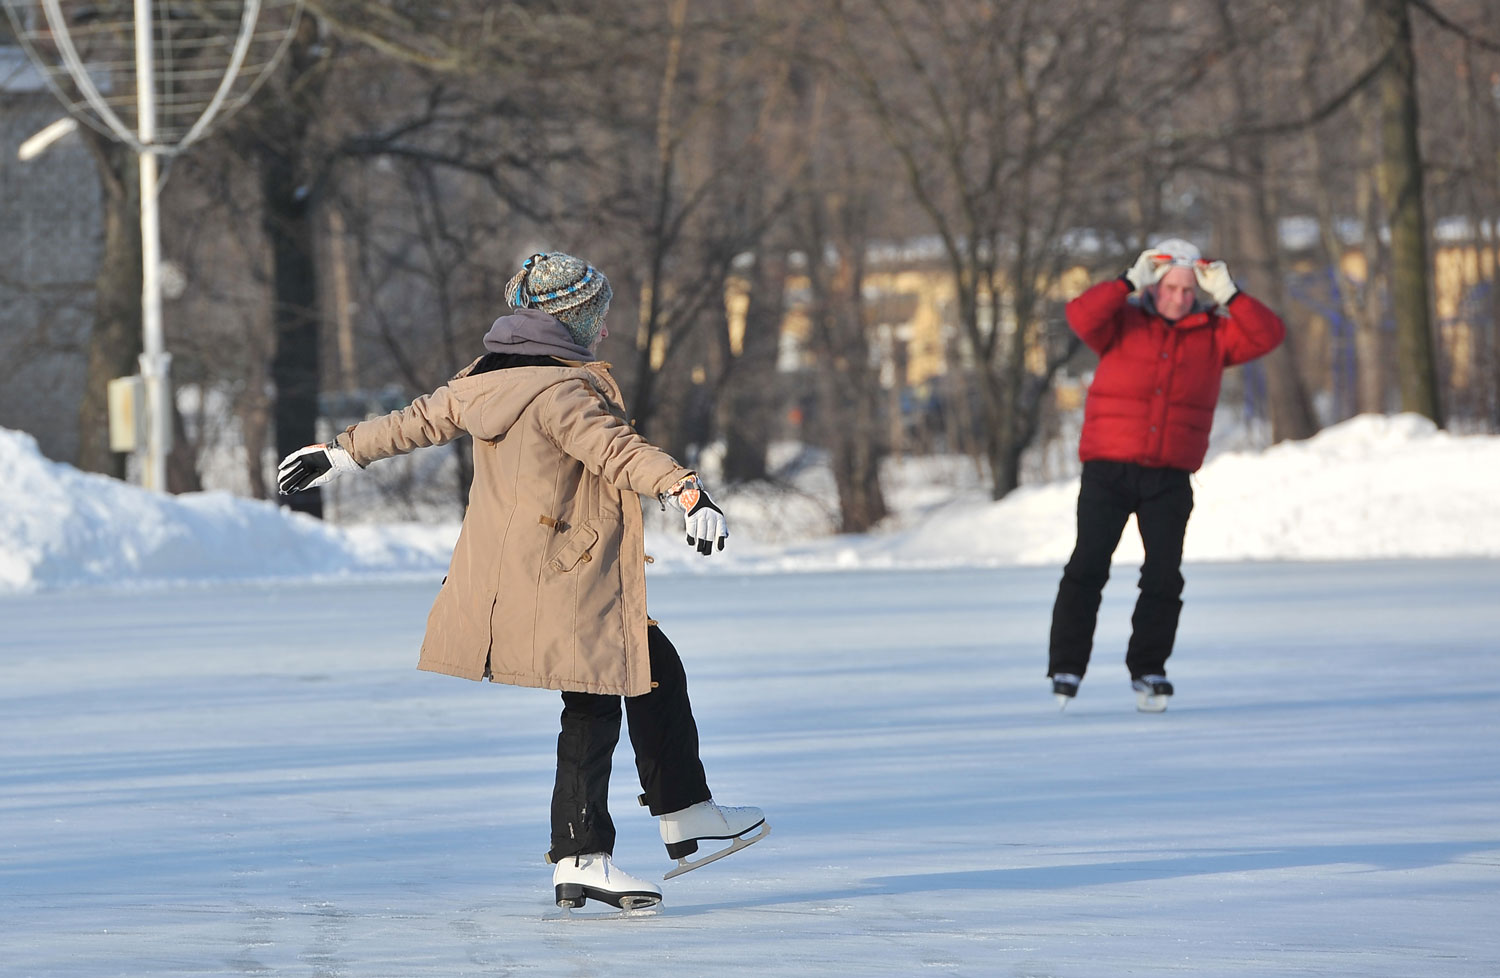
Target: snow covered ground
<point>234,778</point>
<point>1384,487</point>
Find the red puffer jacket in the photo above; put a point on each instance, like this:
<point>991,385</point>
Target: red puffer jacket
<point>1153,396</point>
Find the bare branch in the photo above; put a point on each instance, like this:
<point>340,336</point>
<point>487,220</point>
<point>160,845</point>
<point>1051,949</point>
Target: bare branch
<point>1452,26</point>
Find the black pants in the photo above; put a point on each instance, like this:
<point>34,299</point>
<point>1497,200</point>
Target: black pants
<point>1161,500</point>
<point>665,739</point>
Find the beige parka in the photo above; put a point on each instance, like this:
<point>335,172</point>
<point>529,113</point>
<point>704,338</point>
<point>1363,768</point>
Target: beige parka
<point>547,586</point>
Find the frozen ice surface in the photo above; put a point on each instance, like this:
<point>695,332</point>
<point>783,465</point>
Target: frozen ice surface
<point>252,779</point>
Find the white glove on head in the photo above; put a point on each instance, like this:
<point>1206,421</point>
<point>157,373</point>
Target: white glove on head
<point>313,466</point>
<point>703,521</point>
<point>1213,278</point>
<point>1148,269</point>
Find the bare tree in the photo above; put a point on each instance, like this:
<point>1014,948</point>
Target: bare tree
<point>1458,59</point>
<point>1340,181</point>
<point>678,211</point>
<point>1254,211</point>
<point>999,117</point>
<point>289,220</point>
<point>408,88</point>
<point>749,394</point>
<point>833,221</point>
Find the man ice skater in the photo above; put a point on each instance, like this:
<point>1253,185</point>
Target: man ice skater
<point>1162,355</point>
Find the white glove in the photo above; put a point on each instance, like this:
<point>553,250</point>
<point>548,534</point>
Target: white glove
<point>313,466</point>
<point>1147,270</point>
<point>703,521</point>
<point>1213,278</point>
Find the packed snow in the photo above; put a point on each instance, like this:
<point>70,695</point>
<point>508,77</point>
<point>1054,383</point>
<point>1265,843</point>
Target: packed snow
<point>1381,487</point>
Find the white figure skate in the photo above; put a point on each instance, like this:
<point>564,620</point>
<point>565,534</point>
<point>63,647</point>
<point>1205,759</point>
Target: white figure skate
<point>683,830</point>
<point>594,876</point>
<point>1151,693</point>
<point>1065,687</point>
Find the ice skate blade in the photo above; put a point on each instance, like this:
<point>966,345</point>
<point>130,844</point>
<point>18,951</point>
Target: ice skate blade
<point>634,913</point>
<point>1151,703</point>
<point>571,896</point>
<point>740,842</point>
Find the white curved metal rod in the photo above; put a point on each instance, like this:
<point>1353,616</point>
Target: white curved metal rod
<point>248,21</point>
<point>269,64</point>
<point>81,78</point>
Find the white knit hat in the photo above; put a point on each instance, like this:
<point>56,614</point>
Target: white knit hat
<point>1182,252</point>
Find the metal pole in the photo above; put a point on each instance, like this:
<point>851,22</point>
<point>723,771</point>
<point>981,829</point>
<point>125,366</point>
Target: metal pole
<point>155,361</point>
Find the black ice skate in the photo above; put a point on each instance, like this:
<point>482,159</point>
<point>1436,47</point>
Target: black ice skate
<point>1065,687</point>
<point>683,830</point>
<point>1151,693</point>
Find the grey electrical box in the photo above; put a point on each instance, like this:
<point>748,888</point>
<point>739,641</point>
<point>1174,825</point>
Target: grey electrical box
<point>127,414</point>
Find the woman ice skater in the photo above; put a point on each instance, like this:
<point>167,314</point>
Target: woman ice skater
<point>547,585</point>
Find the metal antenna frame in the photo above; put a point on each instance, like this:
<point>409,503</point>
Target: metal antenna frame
<point>155,361</point>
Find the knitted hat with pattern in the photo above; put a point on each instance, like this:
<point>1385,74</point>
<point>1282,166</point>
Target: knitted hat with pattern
<point>567,288</point>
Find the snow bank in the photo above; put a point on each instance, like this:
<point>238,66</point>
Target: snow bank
<point>1373,487</point>
<point>62,527</point>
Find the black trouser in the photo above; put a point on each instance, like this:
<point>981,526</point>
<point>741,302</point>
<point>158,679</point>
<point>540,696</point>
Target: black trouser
<point>1161,500</point>
<point>665,739</point>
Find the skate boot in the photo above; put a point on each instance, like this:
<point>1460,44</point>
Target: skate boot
<point>1151,693</point>
<point>1065,687</point>
<point>683,830</point>
<point>594,876</point>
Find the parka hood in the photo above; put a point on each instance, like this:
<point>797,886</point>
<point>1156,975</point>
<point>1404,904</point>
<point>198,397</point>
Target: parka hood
<point>497,399</point>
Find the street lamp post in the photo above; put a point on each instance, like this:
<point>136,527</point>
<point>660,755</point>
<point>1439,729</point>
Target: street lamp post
<point>156,362</point>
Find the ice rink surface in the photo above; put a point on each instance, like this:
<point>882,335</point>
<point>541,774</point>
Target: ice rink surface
<point>254,780</point>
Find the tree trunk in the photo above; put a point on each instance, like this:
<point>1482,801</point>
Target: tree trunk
<point>751,400</point>
<point>255,420</point>
<point>643,399</point>
<point>289,220</point>
<point>1004,462</point>
<point>1290,407</point>
<point>182,460</point>
<point>1372,365</point>
<point>296,365</point>
<point>849,414</point>
<point>854,434</point>
<point>1356,367</point>
<point>115,342</point>
<point>856,471</point>
<point>1292,415</point>
<point>1401,187</point>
